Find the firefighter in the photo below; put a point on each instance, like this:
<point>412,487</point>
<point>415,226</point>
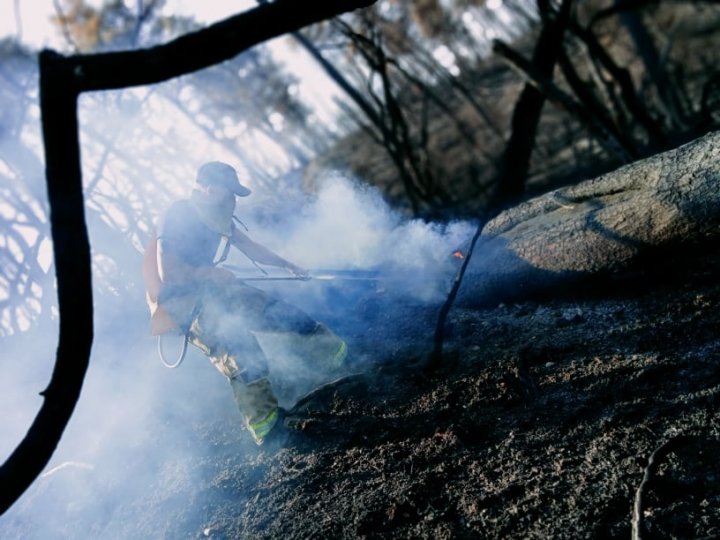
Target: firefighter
<point>218,312</point>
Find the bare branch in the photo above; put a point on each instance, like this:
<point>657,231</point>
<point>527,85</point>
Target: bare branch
<point>559,97</point>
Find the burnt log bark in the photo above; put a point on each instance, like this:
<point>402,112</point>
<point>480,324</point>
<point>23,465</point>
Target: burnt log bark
<point>600,227</point>
<point>62,80</point>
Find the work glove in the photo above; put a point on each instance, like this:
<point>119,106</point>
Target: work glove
<point>297,271</point>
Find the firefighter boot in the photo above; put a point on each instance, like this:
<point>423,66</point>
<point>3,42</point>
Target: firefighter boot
<point>258,406</point>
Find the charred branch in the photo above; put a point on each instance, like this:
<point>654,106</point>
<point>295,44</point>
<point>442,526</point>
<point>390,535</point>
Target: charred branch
<point>198,50</point>
<point>515,161</point>
<point>669,101</point>
<point>550,90</point>
<point>435,359</point>
<point>469,94</point>
<point>639,112</point>
<point>594,108</point>
<point>394,125</point>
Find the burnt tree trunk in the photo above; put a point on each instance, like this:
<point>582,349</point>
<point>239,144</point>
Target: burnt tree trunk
<point>515,161</point>
<point>62,80</point>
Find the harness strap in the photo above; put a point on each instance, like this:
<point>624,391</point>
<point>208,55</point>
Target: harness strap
<point>180,357</point>
<point>225,250</point>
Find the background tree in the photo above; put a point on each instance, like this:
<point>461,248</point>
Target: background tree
<point>609,102</point>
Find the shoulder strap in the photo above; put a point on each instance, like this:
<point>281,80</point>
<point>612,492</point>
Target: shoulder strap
<point>225,250</point>
<point>151,274</point>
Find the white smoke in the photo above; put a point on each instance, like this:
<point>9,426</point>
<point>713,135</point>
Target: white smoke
<point>349,226</point>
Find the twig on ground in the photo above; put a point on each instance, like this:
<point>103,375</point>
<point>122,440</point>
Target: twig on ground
<point>435,358</point>
<point>654,461</point>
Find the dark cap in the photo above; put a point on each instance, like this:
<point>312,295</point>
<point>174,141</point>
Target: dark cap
<point>217,173</point>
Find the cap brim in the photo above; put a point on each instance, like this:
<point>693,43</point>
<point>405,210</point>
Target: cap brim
<point>241,191</point>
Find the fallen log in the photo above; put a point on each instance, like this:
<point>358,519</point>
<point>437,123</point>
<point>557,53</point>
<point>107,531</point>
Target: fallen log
<point>599,227</point>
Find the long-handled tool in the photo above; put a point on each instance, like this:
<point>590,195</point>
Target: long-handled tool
<point>317,275</point>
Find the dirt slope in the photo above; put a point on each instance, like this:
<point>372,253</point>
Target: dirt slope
<point>539,426</point>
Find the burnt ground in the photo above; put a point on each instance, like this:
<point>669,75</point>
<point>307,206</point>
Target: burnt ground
<point>540,424</point>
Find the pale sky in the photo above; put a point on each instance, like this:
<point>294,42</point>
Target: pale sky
<point>31,18</point>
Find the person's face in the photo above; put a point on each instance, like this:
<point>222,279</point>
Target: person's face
<point>217,194</point>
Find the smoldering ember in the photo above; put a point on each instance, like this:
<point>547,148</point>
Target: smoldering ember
<point>465,287</point>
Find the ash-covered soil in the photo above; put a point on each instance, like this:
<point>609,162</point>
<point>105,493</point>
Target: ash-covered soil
<point>539,424</point>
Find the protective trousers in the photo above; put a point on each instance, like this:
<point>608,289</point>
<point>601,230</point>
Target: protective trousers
<point>223,326</point>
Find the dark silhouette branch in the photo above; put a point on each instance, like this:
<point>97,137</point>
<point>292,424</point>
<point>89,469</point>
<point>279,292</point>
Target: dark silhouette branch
<point>62,80</point>
<point>584,92</point>
<point>648,52</point>
<point>622,77</point>
<point>204,48</point>
<point>552,92</point>
<point>515,161</point>
<point>435,359</point>
<point>334,74</point>
<point>402,138</point>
